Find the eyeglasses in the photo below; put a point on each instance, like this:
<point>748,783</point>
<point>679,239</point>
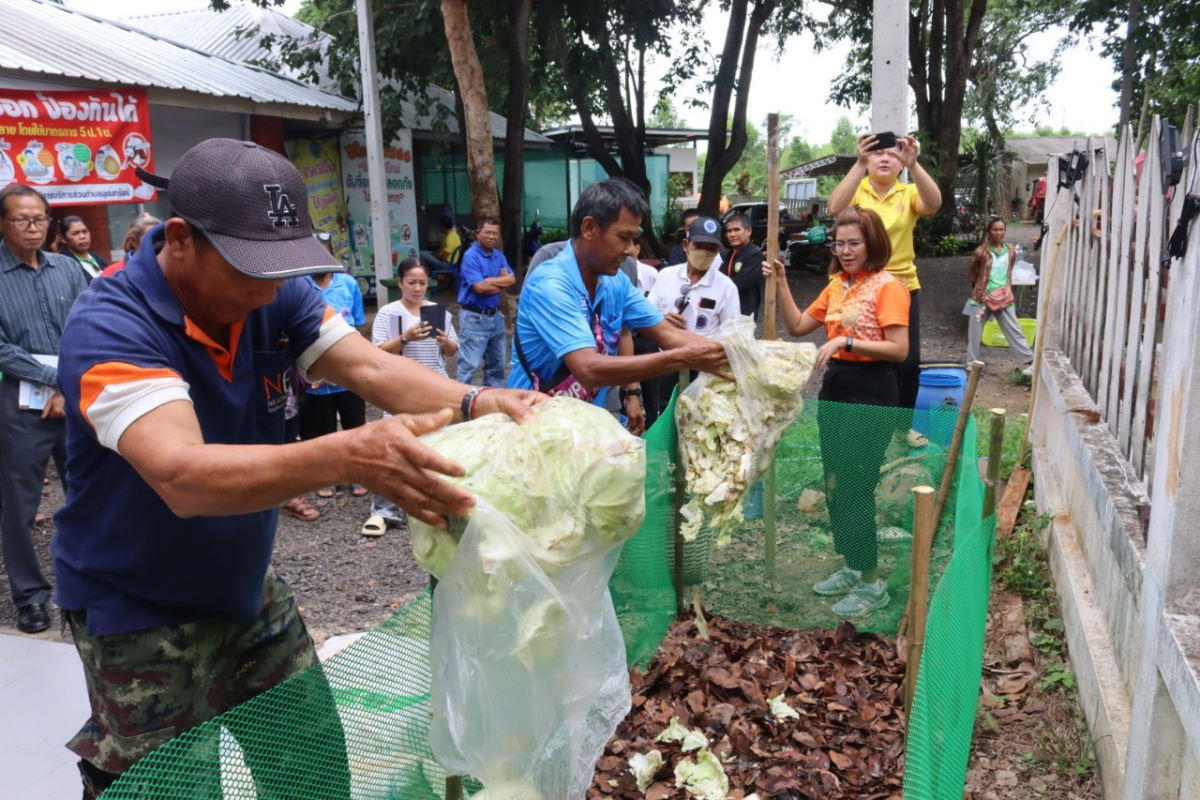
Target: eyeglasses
<point>853,244</point>
<point>681,301</point>
<point>27,223</point>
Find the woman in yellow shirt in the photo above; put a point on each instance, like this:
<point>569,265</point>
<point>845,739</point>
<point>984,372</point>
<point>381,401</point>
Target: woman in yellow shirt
<point>873,183</point>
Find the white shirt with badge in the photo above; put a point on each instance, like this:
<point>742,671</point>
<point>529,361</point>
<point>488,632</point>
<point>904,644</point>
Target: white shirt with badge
<point>712,300</point>
<point>646,277</point>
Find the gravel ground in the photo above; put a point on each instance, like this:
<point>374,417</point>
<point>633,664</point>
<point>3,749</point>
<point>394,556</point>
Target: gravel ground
<point>347,583</point>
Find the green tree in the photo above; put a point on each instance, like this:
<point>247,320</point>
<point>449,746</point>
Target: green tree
<point>1162,63</point>
<point>665,113</point>
<point>797,152</point>
<point>844,139</point>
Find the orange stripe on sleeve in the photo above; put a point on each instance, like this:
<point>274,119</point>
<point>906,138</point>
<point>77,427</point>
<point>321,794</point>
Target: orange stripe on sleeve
<point>109,373</point>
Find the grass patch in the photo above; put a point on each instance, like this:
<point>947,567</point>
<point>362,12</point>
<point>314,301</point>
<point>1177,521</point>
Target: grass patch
<point>1014,429</point>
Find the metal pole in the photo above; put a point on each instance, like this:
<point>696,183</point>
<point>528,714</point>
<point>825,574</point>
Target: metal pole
<point>995,455</point>
<point>924,524</point>
<point>381,235</point>
<point>769,509</point>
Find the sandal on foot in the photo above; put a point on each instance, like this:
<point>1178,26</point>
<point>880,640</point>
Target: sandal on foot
<point>375,526</point>
<point>326,493</point>
<point>359,491</point>
<point>299,508</point>
<point>916,439</point>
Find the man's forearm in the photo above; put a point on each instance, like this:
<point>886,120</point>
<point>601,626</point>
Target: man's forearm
<point>396,384</point>
<point>625,370</point>
<point>18,363</point>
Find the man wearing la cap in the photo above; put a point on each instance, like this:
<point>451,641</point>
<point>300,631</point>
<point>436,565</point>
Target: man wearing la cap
<point>174,374</point>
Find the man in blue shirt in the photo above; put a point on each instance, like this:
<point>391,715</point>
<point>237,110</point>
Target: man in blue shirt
<point>174,374</point>
<point>568,328</point>
<point>484,275</point>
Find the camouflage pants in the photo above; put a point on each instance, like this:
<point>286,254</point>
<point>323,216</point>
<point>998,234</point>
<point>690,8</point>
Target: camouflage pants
<point>148,687</point>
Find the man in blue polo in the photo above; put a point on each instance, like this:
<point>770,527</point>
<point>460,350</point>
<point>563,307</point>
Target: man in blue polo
<point>484,275</point>
<point>175,378</point>
<point>568,327</point>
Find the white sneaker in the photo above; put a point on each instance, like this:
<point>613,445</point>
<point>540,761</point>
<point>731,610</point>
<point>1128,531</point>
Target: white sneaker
<point>841,581</point>
<point>916,439</point>
<point>1027,370</point>
<point>862,600</point>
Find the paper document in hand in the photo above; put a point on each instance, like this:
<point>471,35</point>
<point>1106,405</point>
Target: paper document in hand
<point>33,396</point>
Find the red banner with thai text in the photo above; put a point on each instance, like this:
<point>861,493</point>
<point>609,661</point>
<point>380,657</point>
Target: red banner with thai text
<point>79,146</point>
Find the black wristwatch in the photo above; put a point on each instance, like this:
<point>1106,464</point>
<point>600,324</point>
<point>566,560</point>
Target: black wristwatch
<point>627,393</point>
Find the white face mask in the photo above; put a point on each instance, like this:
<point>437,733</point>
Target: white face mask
<point>701,260</point>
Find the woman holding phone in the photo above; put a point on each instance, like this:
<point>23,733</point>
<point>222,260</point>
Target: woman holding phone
<point>418,339</point>
<point>873,183</point>
<point>864,309</point>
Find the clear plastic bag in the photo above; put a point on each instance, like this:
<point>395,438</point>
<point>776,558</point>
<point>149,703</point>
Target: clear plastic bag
<point>529,672</point>
<point>728,432</point>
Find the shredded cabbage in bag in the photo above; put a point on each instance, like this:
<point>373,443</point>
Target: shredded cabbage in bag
<point>528,661</point>
<point>728,431</point>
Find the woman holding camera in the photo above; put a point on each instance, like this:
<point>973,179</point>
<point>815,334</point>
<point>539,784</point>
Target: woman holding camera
<point>873,182</point>
<point>864,309</point>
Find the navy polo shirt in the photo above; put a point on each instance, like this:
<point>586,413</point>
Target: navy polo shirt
<point>128,348</point>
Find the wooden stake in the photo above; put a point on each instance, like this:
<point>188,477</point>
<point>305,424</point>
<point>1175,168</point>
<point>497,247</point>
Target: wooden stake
<point>1010,504</point>
<point>769,505</point>
<point>924,524</point>
<point>995,455</point>
<point>964,411</point>
<point>454,787</point>
<point>1041,340</point>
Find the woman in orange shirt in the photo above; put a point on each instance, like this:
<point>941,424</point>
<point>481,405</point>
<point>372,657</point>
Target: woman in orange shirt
<point>865,313</point>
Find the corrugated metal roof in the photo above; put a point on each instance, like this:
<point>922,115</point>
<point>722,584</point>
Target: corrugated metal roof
<point>1038,149</point>
<point>237,33</point>
<point>71,44</point>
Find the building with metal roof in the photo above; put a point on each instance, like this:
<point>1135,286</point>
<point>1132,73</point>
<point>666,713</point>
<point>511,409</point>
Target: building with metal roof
<point>90,51</point>
<point>247,32</point>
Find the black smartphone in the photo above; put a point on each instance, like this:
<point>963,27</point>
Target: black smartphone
<point>434,316</point>
<point>884,141</point>
<point>708,303</point>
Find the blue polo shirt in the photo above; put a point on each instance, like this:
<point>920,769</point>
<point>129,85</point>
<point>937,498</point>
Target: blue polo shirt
<point>555,316</point>
<point>128,348</point>
<point>343,296</point>
<point>478,264</point>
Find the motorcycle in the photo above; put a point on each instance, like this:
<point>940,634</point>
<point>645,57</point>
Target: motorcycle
<point>531,242</point>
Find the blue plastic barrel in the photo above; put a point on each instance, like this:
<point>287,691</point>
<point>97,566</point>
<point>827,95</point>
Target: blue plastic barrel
<point>938,399</point>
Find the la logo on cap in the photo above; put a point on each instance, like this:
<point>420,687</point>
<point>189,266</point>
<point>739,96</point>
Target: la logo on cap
<point>283,211</point>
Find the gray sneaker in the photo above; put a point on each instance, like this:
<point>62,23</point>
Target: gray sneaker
<point>865,598</point>
<point>841,581</point>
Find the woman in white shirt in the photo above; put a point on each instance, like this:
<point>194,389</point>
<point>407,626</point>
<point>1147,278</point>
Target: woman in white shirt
<point>423,343</point>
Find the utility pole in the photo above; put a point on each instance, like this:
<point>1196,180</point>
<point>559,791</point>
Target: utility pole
<point>889,67</point>
<point>381,233</point>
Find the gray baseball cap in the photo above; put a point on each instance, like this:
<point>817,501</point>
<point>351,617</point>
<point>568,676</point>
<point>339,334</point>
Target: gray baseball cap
<point>252,205</point>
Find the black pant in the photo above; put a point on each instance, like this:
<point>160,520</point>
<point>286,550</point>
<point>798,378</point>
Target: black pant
<point>319,413</point>
<point>27,443</point>
<point>908,371</point>
<point>852,450</point>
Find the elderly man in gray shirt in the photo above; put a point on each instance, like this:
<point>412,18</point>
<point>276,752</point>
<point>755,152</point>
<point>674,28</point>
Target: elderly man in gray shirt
<point>37,290</point>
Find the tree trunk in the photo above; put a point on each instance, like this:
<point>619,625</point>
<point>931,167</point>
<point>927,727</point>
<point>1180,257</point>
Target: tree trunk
<point>514,135</point>
<point>481,160</point>
<point>742,40</point>
<point>595,144</point>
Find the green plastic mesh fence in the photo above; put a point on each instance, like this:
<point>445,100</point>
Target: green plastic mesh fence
<point>357,726</point>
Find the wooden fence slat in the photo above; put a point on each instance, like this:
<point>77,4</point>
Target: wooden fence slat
<point>1100,248</point>
<point>1123,269</point>
<point>1110,347</point>
<point>1154,224</point>
<point>1137,304</point>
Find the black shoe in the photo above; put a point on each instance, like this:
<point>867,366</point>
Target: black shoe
<point>33,618</point>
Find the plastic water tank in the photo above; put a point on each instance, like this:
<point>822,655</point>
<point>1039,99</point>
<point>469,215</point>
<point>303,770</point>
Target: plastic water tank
<point>938,400</point>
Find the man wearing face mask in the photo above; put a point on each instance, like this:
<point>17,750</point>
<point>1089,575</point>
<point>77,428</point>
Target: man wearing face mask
<point>693,296</point>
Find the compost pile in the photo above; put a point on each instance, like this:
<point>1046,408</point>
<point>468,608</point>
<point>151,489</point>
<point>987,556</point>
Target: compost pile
<point>783,713</point>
